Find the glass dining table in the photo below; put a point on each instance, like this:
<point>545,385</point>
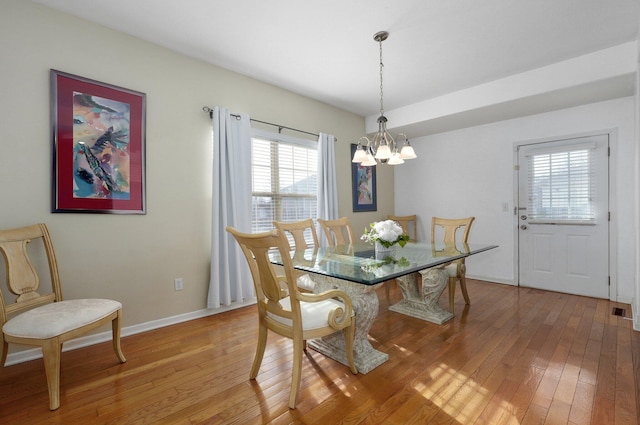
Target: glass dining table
<point>356,270</point>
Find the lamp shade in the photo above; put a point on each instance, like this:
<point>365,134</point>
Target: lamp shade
<point>370,161</point>
<point>407,152</point>
<point>383,152</point>
<point>359,155</point>
<point>396,159</point>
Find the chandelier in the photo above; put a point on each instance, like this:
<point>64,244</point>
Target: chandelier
<point>383,148</point>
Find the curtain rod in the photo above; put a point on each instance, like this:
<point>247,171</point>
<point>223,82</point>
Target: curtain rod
<point>280,127</point>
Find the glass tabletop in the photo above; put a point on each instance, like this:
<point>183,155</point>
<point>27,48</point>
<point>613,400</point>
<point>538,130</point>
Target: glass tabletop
<point>358,262</point>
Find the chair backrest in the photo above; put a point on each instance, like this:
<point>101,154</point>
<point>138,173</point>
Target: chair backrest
<point>338,231</point>
<point>409,224</point>
<point>450,227</point>
<point>21,276</point>
<point>299,232</point>
<point>269,289</point>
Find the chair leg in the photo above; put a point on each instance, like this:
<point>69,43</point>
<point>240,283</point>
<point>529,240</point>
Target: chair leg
<point>452,292</point>
<point>4,346</point>
<point>262,344</point>
<point>51,354</point>
<point>115,327</point>
<point>296,375</point>
<point>349,337</point>
<point>463,287</point>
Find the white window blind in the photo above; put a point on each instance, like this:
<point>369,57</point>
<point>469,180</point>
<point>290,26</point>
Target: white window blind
<point>560,186</point>
<point>284,181</point>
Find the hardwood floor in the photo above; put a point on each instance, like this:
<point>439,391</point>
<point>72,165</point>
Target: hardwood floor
<point>515,356</point>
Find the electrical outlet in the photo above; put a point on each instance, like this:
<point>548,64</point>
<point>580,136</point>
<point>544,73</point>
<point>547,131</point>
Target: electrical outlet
<point>178,284</point>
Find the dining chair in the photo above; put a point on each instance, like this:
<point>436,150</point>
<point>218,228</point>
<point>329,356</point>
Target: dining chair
<point>45,320</point>
<point>450,228</point>
<point>292,314</point>
<point>338,231</point>
<point>299,232</point>
<point>409,224</point>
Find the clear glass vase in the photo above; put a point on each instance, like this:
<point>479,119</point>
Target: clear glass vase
<point>383,252</point>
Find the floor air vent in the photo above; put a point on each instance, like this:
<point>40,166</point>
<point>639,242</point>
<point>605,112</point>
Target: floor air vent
<point>618,311</point>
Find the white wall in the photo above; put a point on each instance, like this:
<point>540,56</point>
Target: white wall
<point>471,172</point>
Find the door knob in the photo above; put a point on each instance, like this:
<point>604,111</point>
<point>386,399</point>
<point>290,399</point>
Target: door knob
<point>523,217</point>
<point>523,227</point>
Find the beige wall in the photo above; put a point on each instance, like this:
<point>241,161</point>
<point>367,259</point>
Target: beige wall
<point>135,258</point>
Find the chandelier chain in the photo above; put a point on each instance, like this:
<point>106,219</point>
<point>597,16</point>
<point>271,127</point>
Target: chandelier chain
<point>381,78</point>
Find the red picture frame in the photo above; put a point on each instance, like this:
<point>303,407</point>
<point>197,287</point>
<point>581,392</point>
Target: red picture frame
<point>98,146</point>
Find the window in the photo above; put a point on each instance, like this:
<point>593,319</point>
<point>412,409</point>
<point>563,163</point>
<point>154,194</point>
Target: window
<point>284,180</point>
<point>561,186</point>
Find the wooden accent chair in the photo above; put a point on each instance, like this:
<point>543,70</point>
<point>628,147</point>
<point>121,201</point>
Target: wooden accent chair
<point>297,230</point>
<point>409,224</point>
<point>335,231</point>
<point>293,314</point>
<point>46,320</point>
<point>456,270</point>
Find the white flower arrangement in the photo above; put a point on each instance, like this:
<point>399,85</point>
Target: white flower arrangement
<point>387,233</point>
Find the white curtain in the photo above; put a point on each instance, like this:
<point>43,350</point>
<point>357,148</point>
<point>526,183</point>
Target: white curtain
<point>231,206</point>
<point>327,182</point>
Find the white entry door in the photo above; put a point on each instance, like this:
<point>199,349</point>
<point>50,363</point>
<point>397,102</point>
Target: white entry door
<point>563,218</point>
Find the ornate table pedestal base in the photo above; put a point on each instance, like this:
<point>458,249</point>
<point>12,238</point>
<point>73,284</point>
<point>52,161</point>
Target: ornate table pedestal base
<point>365,305</point>
<point>423,304</point>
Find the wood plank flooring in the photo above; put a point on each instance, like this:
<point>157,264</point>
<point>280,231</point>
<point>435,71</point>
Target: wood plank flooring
<point>515,356</point>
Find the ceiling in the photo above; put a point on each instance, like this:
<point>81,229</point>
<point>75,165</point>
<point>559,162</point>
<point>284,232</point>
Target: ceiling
<point>325,49</point>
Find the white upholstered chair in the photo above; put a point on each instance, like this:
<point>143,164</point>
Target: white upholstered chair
<point>291,313</point>
<point>46,320</point>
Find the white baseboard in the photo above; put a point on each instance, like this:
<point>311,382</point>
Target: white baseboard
<point>36,353</point>
<point>624,300</point>
<point>636,317</point>
<point>491,279</point>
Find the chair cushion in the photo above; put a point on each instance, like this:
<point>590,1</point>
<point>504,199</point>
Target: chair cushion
<point>305,282</point>
<point>57,318</point>
<point>314,315</point>
<point>451,269</point>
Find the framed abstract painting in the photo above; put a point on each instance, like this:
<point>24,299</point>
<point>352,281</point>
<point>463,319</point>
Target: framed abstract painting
<point>98,146</point>
<point>363,180</point>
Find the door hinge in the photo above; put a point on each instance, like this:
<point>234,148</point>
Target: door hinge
<point>609,280</point>
<point>609,218</point>
<point>516,167</point>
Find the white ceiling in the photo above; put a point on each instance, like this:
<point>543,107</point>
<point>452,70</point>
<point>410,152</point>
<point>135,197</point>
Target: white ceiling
<point>325,49</point>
